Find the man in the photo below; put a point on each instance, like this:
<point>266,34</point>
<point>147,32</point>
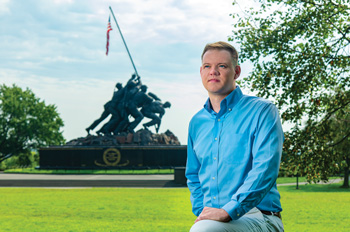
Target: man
<point>234,150</point>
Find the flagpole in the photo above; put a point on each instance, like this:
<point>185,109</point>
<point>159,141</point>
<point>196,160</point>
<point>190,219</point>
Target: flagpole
<point>132,62</point>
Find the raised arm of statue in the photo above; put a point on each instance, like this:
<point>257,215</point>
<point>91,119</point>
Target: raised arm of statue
<point>154,96</point>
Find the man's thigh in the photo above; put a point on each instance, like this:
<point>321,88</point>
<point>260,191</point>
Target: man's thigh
<point>253,221</point>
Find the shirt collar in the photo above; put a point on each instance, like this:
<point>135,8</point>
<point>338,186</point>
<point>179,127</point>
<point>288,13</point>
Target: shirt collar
<point>227,103</point>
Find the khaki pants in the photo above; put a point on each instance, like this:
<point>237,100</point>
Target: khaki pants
<point>253,221</point>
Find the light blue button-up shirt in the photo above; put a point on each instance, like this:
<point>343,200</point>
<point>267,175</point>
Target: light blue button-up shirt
<point>233,156</point>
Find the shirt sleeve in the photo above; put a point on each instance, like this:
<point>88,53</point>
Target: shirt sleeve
<point>266,152</point>
<point>193,183</point>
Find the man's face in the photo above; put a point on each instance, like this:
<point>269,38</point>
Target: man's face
<point>217,72</point>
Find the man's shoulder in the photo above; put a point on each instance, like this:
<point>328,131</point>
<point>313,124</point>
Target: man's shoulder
<point>199,116</point>
<point>200,113</point>
<point>258,106</point>
<point>256,101</point>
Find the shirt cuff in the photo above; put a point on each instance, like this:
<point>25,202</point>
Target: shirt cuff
<point>197,211</point>
<point>234,209</point>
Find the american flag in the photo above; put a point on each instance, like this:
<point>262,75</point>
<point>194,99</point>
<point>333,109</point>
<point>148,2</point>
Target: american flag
<point>109,28</point>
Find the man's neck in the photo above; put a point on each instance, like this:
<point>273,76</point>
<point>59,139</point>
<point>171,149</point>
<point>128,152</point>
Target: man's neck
<point>215,101</point>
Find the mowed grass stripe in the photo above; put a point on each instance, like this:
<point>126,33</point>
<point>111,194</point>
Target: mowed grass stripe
<point>99,209</point>
<point>312,208</point>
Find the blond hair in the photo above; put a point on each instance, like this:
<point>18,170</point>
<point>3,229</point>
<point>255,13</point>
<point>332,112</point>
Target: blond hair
<point>220,45</point>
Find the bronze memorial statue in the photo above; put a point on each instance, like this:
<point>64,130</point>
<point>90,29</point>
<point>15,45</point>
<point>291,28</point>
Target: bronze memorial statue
<point>131,100</point>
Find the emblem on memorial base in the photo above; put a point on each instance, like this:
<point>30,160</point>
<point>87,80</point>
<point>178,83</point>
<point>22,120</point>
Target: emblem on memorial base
<point>111,158</point>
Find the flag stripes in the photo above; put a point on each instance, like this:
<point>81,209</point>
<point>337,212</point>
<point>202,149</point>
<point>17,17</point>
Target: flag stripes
<point>109,28</point>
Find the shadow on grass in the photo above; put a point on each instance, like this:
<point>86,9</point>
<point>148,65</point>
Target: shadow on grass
<point>315,188</point>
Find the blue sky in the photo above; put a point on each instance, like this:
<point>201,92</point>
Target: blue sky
<point>57,49</point>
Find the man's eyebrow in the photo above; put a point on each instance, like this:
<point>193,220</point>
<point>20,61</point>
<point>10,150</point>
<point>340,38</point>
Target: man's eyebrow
<point>221,63</point>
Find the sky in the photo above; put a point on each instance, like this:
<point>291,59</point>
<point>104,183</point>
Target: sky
<point>57,49</point>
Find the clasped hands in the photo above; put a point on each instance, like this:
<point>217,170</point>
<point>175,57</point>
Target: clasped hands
<point>215,214</point>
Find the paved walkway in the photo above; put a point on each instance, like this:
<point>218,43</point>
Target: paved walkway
<point>53,180</point>
<point>304,183</point>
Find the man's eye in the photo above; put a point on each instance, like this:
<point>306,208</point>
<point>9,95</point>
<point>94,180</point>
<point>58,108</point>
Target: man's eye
<point>222,66</point>
<point>206,66</point>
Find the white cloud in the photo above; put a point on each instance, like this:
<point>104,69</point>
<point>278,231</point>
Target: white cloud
<point>4,9</point>
<point>63,1</point>
<point>170,21</point>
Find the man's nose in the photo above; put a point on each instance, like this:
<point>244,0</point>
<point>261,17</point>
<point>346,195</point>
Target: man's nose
<point>214,71</point>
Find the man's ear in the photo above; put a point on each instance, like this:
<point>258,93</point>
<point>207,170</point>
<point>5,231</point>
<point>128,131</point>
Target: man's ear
<point>237,71</point>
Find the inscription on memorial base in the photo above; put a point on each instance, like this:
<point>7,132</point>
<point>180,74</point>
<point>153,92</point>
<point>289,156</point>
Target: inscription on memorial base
<point>118,157</point>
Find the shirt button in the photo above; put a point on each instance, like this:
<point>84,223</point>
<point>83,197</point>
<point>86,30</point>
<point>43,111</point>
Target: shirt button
<point>214,158</point>
<point>213,178</point>
<point>229,109</point>
<point>219,120</point>
<point>238,215</point>
<point>214,198</point>
<point>216,138</point>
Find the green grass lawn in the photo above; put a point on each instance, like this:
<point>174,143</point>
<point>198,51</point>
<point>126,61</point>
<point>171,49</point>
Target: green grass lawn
<point>98,209</point>
<point>319,208</point>
<point>311,208</point>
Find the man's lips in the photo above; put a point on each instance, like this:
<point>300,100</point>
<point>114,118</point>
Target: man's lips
<point>213,80</point>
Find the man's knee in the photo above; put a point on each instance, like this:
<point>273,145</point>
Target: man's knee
<point>208,226</point>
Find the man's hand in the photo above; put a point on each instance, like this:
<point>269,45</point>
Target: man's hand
<point>213,214</point>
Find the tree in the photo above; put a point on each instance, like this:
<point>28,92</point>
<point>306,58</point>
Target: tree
<point>300,53</point>
<point>339,126</point>
<point>26,123</point>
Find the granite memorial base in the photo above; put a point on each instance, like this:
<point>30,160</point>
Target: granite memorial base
<point>112,157</point>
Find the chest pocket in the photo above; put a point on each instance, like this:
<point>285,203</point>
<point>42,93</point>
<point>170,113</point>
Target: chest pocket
<point>234,148</point>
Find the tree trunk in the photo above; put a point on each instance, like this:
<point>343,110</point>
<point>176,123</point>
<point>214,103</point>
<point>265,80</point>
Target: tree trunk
<point>346,173</point>
<point>5,157</point>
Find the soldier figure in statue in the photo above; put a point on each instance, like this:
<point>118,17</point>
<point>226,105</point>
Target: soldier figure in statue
<point>131,88</point>
<point>151,110</point>
<point>140,99</point>
<point>109,108</point>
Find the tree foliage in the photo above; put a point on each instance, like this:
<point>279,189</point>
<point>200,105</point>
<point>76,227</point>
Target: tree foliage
<point>340,126</point>
<point>26,122</point>
<point>300,52</point>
